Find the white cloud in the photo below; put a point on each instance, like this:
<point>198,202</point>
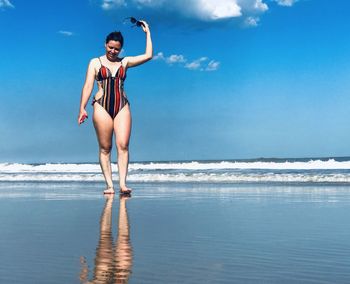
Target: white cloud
<point>196,64</point>
<point>202,64</point>
<point>159,56</point>
<point>203,10</point>
<point>66,33</point>
<point>260,6</point>
<point>252,7</point>
<point>110,4</point>
<point>179,59</point>
<point>216,9</point>
<point>287,3</point>
<point>6,4</point>
<point>192,11</point>
<point>151,3</point>
<point>175,59</point>
<point>252,21</point>
<point>172,59</point>
<point>212,65</point>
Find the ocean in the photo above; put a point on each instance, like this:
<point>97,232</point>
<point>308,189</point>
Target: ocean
<point>291,171</point>
<point>232,221</point>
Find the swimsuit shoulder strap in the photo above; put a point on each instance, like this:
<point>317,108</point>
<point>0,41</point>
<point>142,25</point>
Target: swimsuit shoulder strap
<point>124,62</point>
<point>97,74</point>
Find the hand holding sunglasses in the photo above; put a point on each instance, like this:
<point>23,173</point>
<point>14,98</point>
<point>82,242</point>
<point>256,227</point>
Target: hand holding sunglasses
<point>138,23</point>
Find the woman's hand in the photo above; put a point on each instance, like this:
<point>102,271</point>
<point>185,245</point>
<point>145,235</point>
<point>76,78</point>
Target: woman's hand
<point>145,26</point>
<point>133,61</point>
<point>82,116</point>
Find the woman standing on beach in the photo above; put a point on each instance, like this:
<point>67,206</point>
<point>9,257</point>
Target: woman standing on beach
<point>110,104</point>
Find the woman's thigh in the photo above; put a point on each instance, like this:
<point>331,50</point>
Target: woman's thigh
<point>103,126</point>
<point>122,126</point>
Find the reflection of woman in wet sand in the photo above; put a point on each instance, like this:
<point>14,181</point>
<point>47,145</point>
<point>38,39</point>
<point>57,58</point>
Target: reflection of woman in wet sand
<point>113,261</point>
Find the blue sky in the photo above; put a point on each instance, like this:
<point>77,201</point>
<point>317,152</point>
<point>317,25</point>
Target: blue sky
<point>239,79</point>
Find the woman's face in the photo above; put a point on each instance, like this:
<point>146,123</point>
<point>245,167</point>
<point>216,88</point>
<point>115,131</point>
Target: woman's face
<point>113,49</point>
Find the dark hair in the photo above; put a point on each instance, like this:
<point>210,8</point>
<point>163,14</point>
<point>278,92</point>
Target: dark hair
<point>116,36</point>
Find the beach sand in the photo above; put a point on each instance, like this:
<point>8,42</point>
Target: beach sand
<point>174,233</point>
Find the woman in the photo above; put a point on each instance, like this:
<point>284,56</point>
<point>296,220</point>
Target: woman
<point>111,107</point>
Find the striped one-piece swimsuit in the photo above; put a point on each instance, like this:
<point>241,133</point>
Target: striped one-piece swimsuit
<point>113,98</point>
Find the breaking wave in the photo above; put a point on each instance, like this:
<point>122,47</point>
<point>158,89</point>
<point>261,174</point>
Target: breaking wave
<point>243,171</point>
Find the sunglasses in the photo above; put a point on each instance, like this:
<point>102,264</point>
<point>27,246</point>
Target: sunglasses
<point>136,23</point>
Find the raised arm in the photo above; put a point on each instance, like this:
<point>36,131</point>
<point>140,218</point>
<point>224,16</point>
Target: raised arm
<point>140,59</point>
<point>86,92</point>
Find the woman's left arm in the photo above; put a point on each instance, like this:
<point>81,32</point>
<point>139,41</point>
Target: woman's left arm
<point>133,61</point>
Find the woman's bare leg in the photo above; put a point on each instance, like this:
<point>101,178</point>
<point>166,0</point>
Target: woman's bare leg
<point>123,250</point>
<point>104,130</point>
<point>104,251</point>
<point>122,130</point>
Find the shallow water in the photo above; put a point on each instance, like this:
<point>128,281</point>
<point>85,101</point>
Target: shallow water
<point>174,233</point>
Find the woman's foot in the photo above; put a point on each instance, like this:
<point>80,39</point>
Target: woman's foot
<point>125,190</point>
<point>109,190</point>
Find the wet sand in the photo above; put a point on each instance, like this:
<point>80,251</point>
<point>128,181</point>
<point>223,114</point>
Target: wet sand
<point>174,233</point>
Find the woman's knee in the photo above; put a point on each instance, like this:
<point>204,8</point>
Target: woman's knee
<point>122,146</point>
<point>105,149</point>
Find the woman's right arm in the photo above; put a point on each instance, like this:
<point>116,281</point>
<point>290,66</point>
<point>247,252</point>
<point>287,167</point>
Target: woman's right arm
<point>86,92</point>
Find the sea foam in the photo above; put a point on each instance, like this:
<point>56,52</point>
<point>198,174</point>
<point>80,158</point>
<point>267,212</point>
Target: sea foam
<point>256,171</point>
